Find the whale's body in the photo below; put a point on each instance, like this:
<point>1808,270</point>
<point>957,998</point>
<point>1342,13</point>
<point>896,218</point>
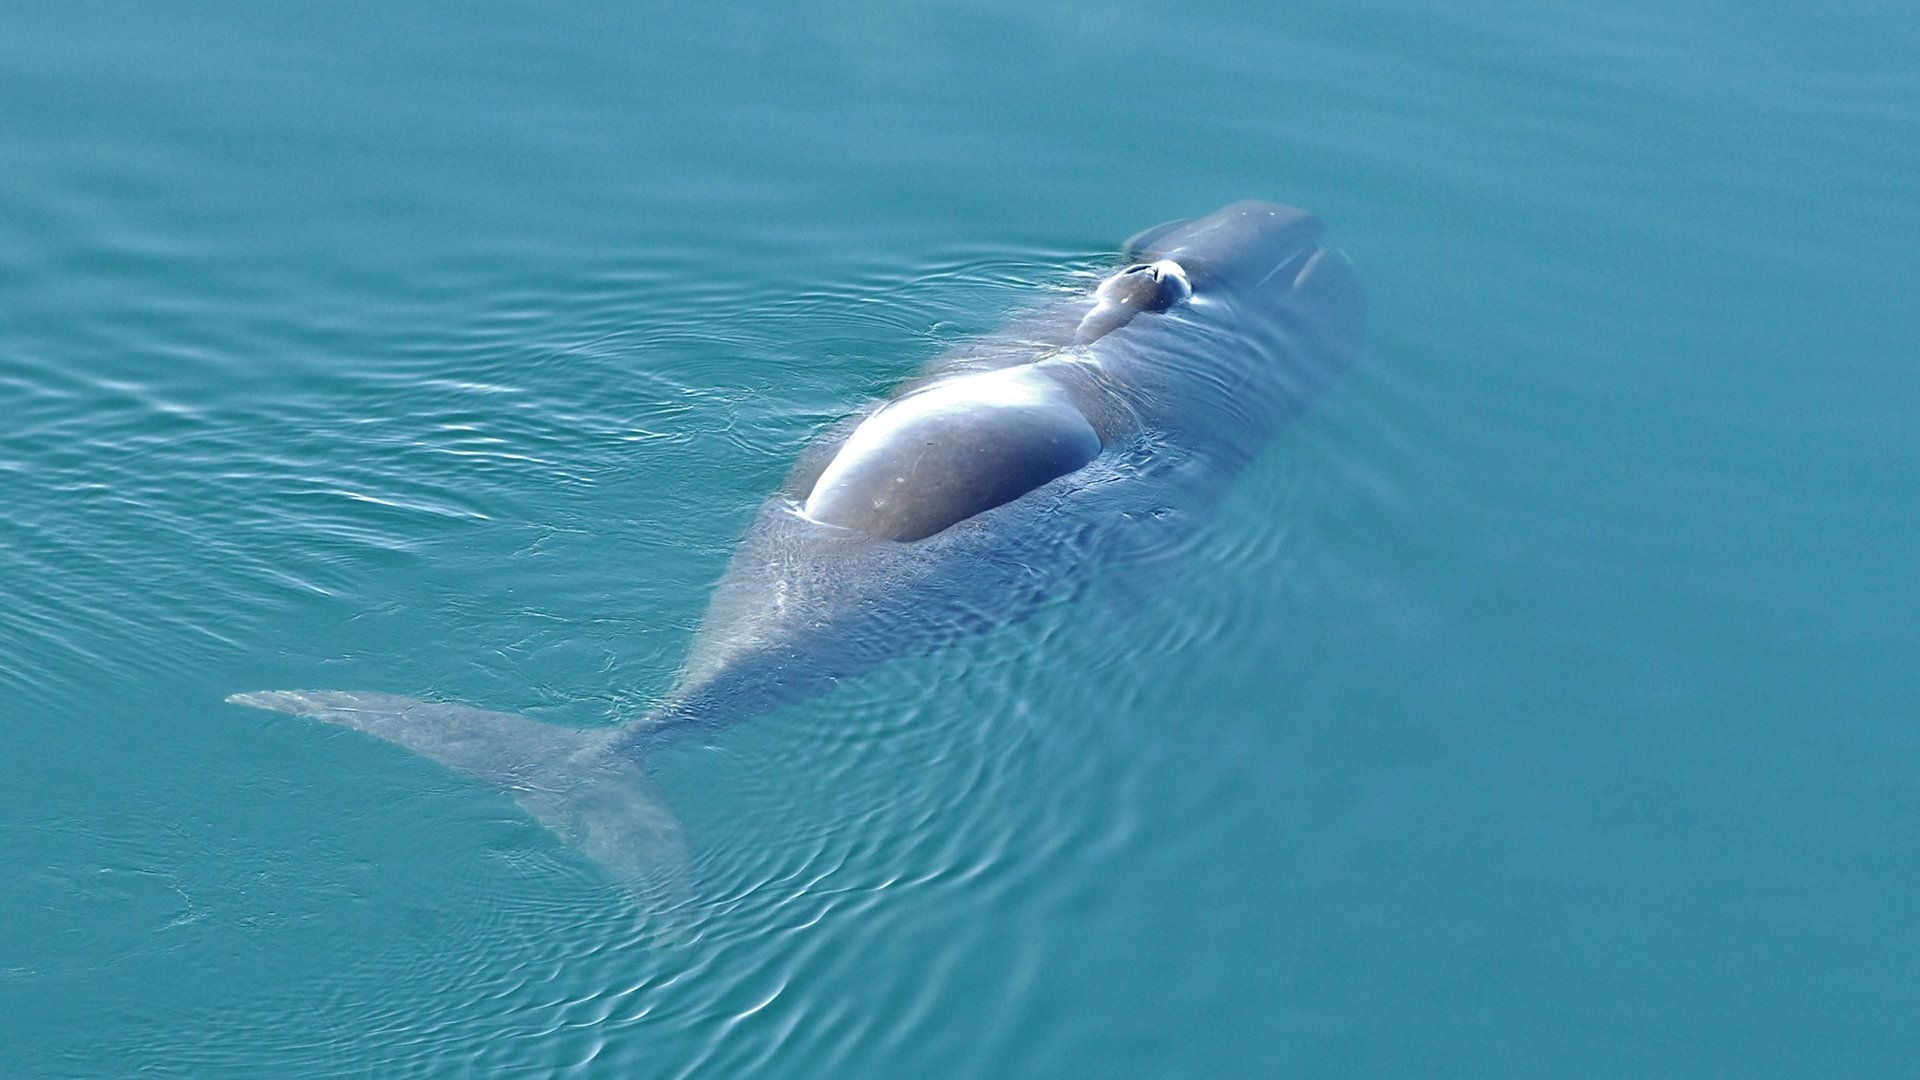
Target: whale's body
<point>1089,436</point>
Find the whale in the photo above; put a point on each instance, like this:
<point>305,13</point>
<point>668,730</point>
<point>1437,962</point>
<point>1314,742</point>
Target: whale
<point>1087,438</point>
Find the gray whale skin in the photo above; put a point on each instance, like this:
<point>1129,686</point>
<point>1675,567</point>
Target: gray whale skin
<point>1095,432</point>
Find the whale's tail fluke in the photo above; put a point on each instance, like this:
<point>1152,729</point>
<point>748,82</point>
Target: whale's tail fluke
<point>577,782</point>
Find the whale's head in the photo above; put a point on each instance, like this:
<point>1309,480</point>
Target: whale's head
<point>1241,246</point>
<point>1268,320</point>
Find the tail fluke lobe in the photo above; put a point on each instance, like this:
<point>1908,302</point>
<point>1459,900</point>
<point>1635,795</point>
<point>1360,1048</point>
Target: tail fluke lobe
<point>574,781</point>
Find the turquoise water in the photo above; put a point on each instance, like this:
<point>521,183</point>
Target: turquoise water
<point>1542,705</point>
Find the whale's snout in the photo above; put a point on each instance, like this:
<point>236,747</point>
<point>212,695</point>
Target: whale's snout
<point>1239,246</point>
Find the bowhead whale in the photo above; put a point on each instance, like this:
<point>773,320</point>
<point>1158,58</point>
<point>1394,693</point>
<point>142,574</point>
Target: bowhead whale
<point>1091,434</point>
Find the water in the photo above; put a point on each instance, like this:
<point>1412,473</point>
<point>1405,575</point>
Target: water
<point>1541,705</point>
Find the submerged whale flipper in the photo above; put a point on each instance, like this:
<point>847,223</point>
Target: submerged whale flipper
<point>572,780</point>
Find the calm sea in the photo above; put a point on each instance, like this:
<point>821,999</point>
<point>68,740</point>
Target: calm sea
<point>1543,704</point>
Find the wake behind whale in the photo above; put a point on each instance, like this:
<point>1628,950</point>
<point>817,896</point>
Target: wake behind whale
<point>1089,436</point>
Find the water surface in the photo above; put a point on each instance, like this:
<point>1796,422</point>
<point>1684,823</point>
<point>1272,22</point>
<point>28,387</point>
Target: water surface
<point>1542,704</point>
